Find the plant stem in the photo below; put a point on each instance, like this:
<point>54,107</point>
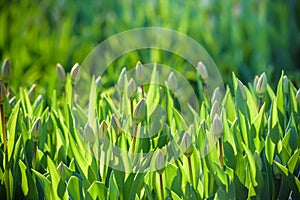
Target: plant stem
<point>3,126</point>
<point>131,107</point>
<point>5,152</point>
<point>259,103</point>
<point>221,153</point>
<point>34,154</point>
<point>134,137</point>
<point>161,186</point>
<point>7,89</point>
<point>190,170</point>
<point>143,92</point>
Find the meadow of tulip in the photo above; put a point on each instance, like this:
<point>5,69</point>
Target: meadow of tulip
<point>50,148</point>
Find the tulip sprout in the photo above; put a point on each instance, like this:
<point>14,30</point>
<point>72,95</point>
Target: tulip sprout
<point>187,149</point>
<point>139,72</point>
<point>138,116</point>
<point>160,161</point>
<point>261,89</point>
<point>217,128</point>
<point>36,133</point>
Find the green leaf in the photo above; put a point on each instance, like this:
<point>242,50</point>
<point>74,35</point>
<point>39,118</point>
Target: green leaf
<point>153,93</point>
<point>97,190</point>
<point>270,149</point>
<point>294,161</point>
<point>74,187</point>
<point>58,187</point>
<point>282,168</point>
<point>12,130</point>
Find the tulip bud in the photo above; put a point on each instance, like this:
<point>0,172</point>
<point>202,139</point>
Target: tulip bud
<point>2,93</point>
<point>214,110</point>
<point>61,170</point>
<point>6,71</point>
<point>131,89</point>
<point>122,79</point>
<point>261,86</point>
<point>89,134</point>
<point>99,83</point>
<point>298,96</point>
<point>217,126</point>
<point>242,89</point>
<point>103,130</point>
<point>186,145</point>
<point>160,161</point>
<point>74,73</point>
<point>202,70</point>
<point>32,92</point>
<point>140,111</point>
<point>115,124</point>
<point>285,85</point>
<point>255,81</point>
<point>50,125</point>
<point>61,74</point>
<point>139,73</point>
<point>37,130</point>
<point>217,95</point>
<point>172,82</point>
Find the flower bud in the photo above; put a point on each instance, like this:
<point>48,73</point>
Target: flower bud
<point>61,74</point>
<point>255,81</point>
<point>131,89</point>
<point>37,130</point>
<point>214,110</point>
<point>172,82</point>
<point>6,71</point>
<point>160,161</point>
<point>217,126</point>
<point>285,85</point>
<point>202,70</point>
<point>32,92</point>
<point>89,134</point>
<point>261,86</point>
<point>50,125</point>
<point>122,79</point>
<point>61,170</point>
<point>217,95</point>
<point>103,130</point>
<point>74,74</point>
<point>241,87</point>
<point>99,83</point>
<point>139,73</point>
<point>186,144</point>
<point>115,124</point>
<point>298,96</point>
<point>140,111</point>
<point>2,93</point>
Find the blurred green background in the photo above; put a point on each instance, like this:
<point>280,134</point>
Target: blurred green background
<point>247,37</point>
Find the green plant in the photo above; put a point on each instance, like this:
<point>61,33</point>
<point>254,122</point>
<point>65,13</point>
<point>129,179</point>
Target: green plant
<point>55,148</point>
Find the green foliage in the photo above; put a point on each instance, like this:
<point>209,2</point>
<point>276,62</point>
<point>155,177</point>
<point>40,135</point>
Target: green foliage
<point>261,147</point>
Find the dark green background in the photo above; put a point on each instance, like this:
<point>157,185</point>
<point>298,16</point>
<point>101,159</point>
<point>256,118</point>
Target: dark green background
<point>247,37</point>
